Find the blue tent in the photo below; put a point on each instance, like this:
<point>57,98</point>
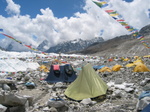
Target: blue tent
<point>65,74</point>
<point>146,109</point>
<point>144,94</point>
<point>98,66</point>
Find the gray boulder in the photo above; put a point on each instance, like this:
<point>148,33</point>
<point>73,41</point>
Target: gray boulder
<point>12,99</point>
<point>6,81</point>
<point>118,81</point>
<point>52,109</point>
<point>5,87</point>
<point>2,108</point>
<point>56,103</point>
<point>87,101</point>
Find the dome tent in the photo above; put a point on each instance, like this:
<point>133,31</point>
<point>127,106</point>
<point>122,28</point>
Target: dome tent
<point>116,68</point>
<point>140,67</point>
<point>61,73</point>
<point>87,85</point>
<point>105,69</point>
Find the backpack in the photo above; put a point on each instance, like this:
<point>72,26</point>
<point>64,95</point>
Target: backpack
<point>68,70</point>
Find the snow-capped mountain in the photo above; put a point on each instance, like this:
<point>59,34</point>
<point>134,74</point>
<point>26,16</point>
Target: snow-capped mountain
<point>74,45</point>
<point>9,47</point>
<point>41,47</point>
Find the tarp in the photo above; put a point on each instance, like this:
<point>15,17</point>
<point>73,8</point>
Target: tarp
<point>61,75</point>
<point>87,85</point>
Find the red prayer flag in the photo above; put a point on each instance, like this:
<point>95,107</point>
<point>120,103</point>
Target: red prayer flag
<point>108,11</point>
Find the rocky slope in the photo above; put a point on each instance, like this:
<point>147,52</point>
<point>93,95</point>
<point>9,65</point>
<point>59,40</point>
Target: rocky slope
<point>126,44</point>
<point>124,88</point>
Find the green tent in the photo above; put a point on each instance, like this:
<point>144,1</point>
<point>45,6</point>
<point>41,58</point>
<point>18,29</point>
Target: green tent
<point>87,85</point>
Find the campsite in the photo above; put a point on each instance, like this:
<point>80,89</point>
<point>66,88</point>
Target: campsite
<point>75,83</point>
<point>75,56</point>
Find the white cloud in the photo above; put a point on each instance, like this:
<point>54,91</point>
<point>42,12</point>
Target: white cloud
<point>81,25</point>
<point>135,13</point>
<point>12,8</point>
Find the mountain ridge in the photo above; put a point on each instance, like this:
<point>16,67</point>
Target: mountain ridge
<point>120,45</point>
<point>125,44</point>
<point>73,45</point>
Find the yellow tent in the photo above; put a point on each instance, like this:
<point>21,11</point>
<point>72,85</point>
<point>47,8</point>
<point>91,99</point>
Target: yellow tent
<point>147,56</point>
<point>43,68</point>
<point>105,69</point>
<point>46,70</point>
<point>116,68</point>
<point>87,85</point>
<point>138,61</point>
<point>126,59</point>
<point>136,57</point>
<point>130,65</point>
<point>134,63</point>
<point>140,67</point>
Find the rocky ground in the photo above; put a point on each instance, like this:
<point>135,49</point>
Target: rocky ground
<point>124,88</point>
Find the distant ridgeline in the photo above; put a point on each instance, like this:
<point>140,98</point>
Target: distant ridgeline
<point>74,45</point>
<point>2,49</point>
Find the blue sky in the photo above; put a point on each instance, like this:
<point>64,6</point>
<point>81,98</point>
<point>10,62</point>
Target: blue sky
<point>60,8</point>
<point>33,21</point>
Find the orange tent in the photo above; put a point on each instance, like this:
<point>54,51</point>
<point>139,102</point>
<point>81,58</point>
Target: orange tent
<point>110,59</point>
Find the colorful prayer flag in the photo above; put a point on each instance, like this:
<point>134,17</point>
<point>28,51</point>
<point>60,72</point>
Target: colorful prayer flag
<point>118,18</point>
